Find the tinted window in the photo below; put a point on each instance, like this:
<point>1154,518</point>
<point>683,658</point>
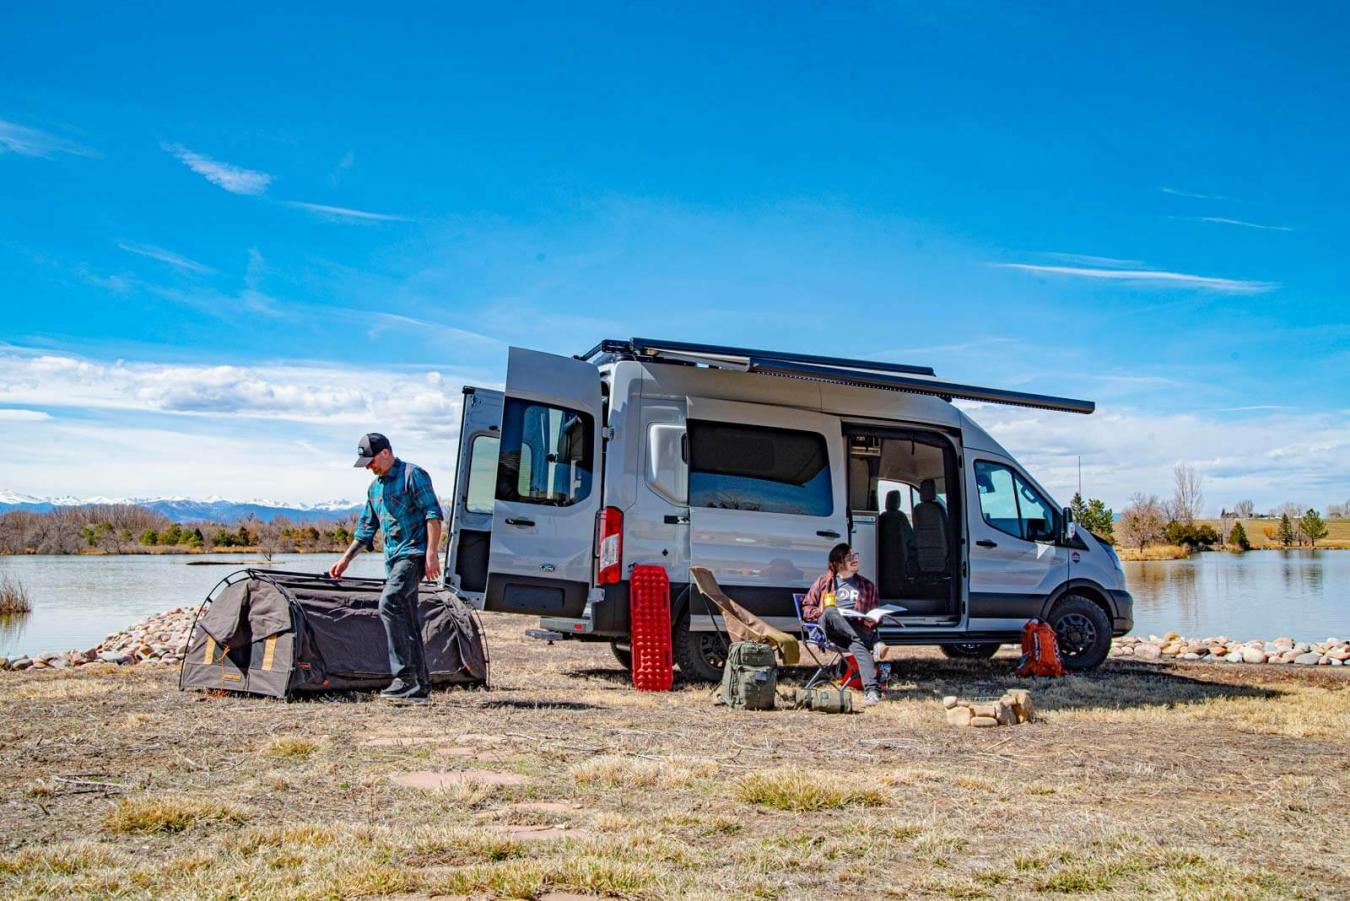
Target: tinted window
<point>482,472</point>
<point>998,498</point>
<point>1010,504</point>
<point>546,454</point>
<point>735,467</point>
<point>1038,517</point>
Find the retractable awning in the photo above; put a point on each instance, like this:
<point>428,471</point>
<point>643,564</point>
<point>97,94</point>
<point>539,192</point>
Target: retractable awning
<point>810,367</point>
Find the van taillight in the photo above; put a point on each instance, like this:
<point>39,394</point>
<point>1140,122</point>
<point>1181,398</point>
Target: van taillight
<point>611,547</point>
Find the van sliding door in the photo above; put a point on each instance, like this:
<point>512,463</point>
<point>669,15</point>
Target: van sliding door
<point>766,501</point>
<point>548,486</point>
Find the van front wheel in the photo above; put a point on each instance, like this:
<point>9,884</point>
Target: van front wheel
<point>1082,631</point>
<point>701,655</point>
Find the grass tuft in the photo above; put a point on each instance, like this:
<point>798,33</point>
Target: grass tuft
<point>146,816</point>
<point>293,747</point>
<point>13,597</point>
<point>802,790</point>
<point>613,771</point>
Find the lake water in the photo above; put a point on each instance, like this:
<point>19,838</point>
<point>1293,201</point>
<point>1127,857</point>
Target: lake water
<point>1261,594</point>
<point>77,601</point>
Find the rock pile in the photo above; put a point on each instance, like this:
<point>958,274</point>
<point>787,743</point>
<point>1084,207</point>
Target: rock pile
<point>158,640</point>
<point>1332,652</point>
<point>1013,708</point>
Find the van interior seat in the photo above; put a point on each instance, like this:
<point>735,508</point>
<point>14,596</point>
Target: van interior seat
<point>895,549</point>
<point>930,531</point>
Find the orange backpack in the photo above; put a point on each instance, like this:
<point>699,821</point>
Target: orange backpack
<point>1040,651</point>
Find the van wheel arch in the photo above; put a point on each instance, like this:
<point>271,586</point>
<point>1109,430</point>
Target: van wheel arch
<point>700,655</point>
<point>1082,588</point>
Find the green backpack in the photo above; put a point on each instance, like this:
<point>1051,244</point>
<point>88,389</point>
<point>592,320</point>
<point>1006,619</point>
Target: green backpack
<point>750,677</point>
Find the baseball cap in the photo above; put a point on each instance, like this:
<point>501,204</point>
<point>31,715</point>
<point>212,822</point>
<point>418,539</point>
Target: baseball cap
<point>368,447</point>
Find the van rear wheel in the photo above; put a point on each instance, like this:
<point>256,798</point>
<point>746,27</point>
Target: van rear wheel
<point>623,652</point>
<point>1082,631</point>
<point>969,651</point>
<point>701,655</point>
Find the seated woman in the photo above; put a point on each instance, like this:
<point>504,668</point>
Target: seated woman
<point>842,587</point>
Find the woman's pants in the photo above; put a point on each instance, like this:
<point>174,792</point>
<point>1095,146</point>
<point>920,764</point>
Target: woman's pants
<point>857,639</point>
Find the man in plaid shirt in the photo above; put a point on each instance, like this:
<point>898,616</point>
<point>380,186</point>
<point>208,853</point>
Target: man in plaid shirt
<point>402,503</point>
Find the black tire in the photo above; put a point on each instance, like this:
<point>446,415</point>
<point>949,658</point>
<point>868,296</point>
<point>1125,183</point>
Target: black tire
<point>970,651</point>
<point>623,652</point>
<point>1082,631</point>
<point>700,655</point>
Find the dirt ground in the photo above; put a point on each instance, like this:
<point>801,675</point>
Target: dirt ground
<point>1182,780</point>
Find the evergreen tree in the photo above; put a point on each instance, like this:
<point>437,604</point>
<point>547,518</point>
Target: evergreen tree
<point>173,537</point>
<point>149,538</point>
<point>1094,516</point>
<point>1238,538</point>
<point>195,538</point>
<point>1313,526</point>
<point>1286,531</point>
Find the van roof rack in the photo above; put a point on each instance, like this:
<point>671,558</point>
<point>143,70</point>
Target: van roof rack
<point>811,367</point>
<point>652,347</point>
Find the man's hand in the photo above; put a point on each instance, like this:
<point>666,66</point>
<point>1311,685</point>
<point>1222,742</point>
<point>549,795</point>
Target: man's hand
<point>337,569</point>
<point>432,568</point>
<point>432,571</point>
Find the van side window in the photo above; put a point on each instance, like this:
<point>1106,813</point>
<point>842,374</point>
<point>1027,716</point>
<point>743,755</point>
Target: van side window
<point>739,467</point>
<point>546,454</point>
<point>1011,505</point>
<point>482,470</point>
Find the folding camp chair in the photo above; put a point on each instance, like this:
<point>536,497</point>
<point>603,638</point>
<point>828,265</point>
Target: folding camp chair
<point>841,668</point>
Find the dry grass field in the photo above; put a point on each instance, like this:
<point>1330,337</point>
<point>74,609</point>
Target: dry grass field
<point>1183,780</point>
<point>1338,532</point>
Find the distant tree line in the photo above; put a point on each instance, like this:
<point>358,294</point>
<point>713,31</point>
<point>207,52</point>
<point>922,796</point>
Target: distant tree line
<point>130,529</point>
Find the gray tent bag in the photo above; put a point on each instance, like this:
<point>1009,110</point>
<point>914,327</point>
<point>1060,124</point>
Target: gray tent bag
<point>282,633</point>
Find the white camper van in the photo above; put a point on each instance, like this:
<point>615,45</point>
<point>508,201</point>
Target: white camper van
<point>754,464</point>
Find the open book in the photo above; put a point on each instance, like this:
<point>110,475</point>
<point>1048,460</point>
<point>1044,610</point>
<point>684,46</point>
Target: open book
<point>875,615</point>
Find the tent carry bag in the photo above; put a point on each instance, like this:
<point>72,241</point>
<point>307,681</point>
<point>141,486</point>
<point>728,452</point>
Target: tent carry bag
<point>750,677</point>
<point>823,699</point>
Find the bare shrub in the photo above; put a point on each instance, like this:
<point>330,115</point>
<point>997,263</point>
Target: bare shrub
<point>13,597</point>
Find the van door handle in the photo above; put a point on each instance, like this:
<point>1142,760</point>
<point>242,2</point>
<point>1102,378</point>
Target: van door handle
<point>983,542</point>
<point>519,522</point>
<point>827,533</point>
<point>676,520</point>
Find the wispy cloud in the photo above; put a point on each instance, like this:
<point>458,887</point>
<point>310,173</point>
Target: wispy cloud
<point>13,415</point>
<point>1175,193</point>
<point>26,141</point>
<point>1223,220</point>
<point>166,256</point>
<point>342,212</point>
<point>1086,260</point>
<point>386,321</point>
<point>1150,277</point>
<point>235,179</point>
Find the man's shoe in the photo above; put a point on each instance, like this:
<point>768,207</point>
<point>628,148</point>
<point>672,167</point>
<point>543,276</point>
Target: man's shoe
<point>416,697</point>
<point>398,688</point>
<point>871,697</point>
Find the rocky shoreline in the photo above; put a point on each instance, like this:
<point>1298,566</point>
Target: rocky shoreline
<point>1172,646</point>
<point>160,640</point>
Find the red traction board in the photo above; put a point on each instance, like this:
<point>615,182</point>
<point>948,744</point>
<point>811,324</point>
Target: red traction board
<point>649,618</point>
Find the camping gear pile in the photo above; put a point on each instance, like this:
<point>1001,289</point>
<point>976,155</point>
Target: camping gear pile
<point>284,633</point>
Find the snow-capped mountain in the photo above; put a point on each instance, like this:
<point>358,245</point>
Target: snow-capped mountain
<point>186,509</point>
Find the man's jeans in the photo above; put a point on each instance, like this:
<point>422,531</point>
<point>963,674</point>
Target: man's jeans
<point>857,639</point>
<point>403,622</point>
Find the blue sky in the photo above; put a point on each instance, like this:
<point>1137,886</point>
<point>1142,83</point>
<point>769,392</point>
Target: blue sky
<point>232,241</point>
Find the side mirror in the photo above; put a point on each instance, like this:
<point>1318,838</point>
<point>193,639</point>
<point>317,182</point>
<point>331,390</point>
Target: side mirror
<point>1068,528</point>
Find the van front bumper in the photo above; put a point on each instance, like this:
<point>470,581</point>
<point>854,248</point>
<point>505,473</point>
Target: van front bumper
<point>1123,603</point>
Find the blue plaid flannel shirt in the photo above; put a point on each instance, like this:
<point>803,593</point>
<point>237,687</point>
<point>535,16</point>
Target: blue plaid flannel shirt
<point>399,502</point>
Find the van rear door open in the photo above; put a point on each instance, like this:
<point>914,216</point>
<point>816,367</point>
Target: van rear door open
<point>480,423</point>
<point>547,493</point>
